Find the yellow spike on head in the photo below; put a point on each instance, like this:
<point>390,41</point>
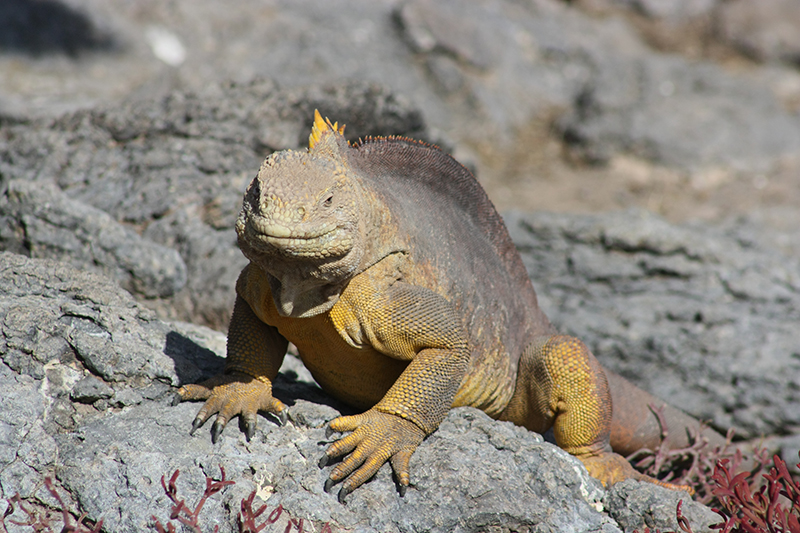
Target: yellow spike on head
<point>321,126</point>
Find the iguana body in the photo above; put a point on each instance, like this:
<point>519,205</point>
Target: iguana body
<point>388,267</point>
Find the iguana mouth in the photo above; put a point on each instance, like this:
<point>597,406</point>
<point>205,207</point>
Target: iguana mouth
<point>324,242</point>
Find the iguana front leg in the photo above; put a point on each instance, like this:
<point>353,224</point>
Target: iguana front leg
<point>560,384</point>
<point>408,323</point>
<point>255,353</point>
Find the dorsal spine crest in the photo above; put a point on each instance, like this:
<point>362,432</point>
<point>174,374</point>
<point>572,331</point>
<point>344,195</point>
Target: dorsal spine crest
<point>369,139</point>
<point>320,127</point>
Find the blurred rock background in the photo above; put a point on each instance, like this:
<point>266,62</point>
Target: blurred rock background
<point>688,108</point>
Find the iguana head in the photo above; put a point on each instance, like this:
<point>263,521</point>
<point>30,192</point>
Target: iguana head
<point>300,222</point>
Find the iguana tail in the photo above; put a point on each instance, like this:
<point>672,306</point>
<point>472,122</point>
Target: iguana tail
<point>634,425</point>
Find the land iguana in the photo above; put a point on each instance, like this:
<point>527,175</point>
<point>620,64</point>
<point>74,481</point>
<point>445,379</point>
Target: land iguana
<point>388,267</point>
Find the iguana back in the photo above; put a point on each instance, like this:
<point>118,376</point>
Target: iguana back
<point>454,227</point>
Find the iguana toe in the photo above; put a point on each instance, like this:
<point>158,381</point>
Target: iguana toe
<point>196,423</point>
<point>283,417</point>
<point>400,464</point>
<point>323,461</point>
<point>249,428</point>
<point>216,430</point>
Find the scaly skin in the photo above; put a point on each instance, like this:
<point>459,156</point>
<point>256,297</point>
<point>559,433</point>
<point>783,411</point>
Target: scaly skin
<point>389,269</point>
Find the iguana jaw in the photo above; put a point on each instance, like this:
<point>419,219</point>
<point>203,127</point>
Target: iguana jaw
<point>322,242</point>
<point>307,272</point>
<point>301,286</point>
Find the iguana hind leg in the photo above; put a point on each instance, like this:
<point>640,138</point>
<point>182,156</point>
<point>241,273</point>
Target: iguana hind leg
<point>560,384</point>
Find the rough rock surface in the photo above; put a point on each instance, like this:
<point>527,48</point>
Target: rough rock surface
<point>88,376</point>
<point>766,31</point>
<point>635,509</point>
<point>681,115</point>
<point>37,219</point>
<point>670,10</point>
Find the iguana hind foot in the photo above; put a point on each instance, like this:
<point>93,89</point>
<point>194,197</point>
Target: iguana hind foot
<point>609,468</point>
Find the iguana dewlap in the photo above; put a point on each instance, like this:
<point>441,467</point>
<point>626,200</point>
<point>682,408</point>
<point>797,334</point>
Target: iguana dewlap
<point>387,266</point>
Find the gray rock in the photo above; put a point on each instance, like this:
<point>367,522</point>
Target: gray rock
<point>473,474</point>
<point>38,220</point>
<point>37,29</point>
<point>54,315</point>
<point>790,453</point>
<point>766,31</point>
<point>671,11</point>
<point>636,506</point>
<point>771,228</point>
<point>90,389</point>
<point>690,116</point>
<point>689,313</point>
<point>483,71</point>
<point>68,338</point>
<point>23,407</point>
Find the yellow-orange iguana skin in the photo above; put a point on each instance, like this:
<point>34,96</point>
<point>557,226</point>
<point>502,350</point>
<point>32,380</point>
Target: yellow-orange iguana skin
<point>388,267</point>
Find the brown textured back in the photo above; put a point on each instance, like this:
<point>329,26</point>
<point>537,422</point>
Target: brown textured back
<point>440,202</point>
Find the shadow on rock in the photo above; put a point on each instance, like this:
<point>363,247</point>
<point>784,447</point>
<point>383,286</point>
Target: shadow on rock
<point>291,386</point>
<point>190,357</point>
<point>39,27</point>
<point>294,383</point>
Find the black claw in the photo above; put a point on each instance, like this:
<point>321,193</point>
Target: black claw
<point>343,494</point>
<point>249,430</point>
<point>323,461</point>
<point>283,417</point>
<point>176,399</point>
<point>195,425</point>
<point>216,431</point>
<point>329,431</point>
<point>329,485</point>
<point>402,490</point>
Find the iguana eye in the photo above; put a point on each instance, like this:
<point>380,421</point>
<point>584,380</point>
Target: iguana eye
<point>328,201</point>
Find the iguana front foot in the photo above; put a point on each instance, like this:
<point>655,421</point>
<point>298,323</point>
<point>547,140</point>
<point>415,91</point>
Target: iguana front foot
<point>376,438</point>
<point>609,468</point>
<point>229,395</point>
